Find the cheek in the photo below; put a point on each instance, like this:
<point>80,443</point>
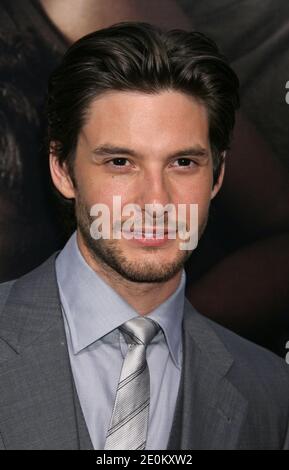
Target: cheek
<point>95,189</point>
<point>199,194</point>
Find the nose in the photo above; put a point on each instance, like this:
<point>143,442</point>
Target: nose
<point>155,193</point>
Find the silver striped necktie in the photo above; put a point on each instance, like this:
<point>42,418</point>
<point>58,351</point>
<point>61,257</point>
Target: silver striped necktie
<point>129,420</point>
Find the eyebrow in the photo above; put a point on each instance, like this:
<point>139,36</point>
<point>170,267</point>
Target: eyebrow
<point>102,150</point>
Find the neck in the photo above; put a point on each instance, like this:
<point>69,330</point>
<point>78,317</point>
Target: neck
<point>76,18</point>
<point>143,297</point>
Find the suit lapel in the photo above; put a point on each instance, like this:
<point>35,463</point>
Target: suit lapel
<point>209,410</point>
<point>40,407</point>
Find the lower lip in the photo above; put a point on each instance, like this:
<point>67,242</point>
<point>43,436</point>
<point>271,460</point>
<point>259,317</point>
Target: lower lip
<point>150,241</point>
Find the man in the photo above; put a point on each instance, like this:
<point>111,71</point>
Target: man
<point>99,346</point>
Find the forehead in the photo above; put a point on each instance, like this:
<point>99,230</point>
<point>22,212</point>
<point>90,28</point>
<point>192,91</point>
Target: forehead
<point>136,117</point>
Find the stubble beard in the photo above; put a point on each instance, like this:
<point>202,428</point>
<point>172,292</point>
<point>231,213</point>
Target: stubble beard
<point>110,257</point>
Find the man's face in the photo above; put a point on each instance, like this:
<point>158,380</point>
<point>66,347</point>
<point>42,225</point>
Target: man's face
<point>141,141</point>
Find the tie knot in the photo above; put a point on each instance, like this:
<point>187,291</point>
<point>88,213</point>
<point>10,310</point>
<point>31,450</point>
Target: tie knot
<point>139,330</point>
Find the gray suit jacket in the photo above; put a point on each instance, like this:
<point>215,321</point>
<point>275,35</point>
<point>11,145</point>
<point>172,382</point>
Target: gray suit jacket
<point>233,394</point>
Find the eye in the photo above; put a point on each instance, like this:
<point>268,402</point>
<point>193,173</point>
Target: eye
<point>117,162</point>
<point>186,162</point>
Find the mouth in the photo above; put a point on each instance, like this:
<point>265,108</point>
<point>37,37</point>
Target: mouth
<point>152,233</point>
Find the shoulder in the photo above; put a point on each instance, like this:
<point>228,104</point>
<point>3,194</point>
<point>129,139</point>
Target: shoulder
<point>260,377</point>
<point>259,374</point>
<point>41,280</point>
<point>250,356</point>
<point>29,305</point>
<point>210,334</point>
<point>5,288</point>
<point>255,371</point>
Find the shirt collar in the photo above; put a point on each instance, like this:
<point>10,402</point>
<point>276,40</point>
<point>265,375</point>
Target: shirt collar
<point>93,308</point>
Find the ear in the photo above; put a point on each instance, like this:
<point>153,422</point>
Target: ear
<point>219,182</point>
<point>60,175</point>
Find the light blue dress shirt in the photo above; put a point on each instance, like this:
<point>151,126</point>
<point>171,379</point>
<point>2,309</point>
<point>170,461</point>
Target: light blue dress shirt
<point>92,312</point>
